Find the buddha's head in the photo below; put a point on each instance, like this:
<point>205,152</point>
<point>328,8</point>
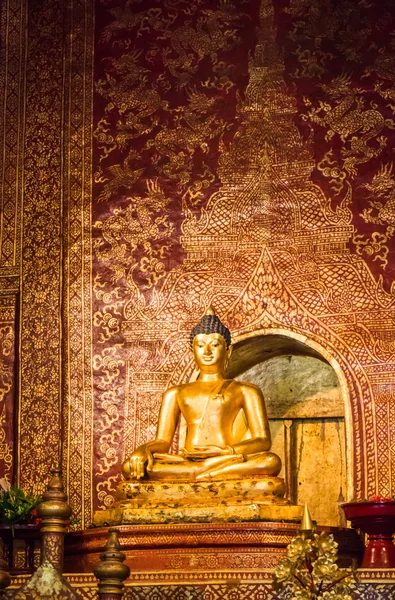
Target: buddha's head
<point>211,343</point>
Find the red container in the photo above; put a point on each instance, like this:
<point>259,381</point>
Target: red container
<point>377,520</point>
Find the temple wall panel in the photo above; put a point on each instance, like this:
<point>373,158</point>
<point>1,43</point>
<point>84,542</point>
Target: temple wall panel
<point>12,98</point>
<point>159,157</point>
<point>77,351</point>
<point>41,261</point>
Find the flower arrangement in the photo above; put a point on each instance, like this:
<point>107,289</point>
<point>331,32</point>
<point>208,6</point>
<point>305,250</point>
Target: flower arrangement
<point>310,570</point>
<point>15,505</point>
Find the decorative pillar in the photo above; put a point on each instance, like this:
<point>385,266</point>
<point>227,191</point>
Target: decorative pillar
<point>54,511</point>
<point>5,578</point>
<point>110,570</point>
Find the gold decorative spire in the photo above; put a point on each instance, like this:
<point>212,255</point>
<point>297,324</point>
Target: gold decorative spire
<point>267,53</point>
<point>306,525</point>
<point>111,571</point>
<point>210,311</point>
<point>54,511</point>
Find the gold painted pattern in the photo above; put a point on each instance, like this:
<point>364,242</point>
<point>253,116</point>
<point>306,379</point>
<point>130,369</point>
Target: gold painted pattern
<point>12,93</point>
<point>264,273</point>
<point>379,581</point>
<point>77,306</point>
<point>40,352</point>
<point>7,384</point>
<point>351,112</point>
<point>12,55</point>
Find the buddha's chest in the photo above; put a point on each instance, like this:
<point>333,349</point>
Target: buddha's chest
<point>209,406</point>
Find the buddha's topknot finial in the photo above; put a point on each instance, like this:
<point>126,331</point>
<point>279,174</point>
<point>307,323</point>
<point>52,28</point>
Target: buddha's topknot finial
<point>210,323</point>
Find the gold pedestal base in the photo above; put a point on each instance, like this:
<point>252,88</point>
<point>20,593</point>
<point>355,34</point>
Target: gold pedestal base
<point>252,499</point>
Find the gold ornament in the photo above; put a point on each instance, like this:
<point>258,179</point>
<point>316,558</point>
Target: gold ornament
<point>310,570</point>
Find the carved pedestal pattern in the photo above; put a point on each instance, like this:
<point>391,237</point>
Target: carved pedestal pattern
<point>249,499</point>
<point>198,552</point>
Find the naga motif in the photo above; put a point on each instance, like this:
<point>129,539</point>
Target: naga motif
<point>383,65</point>
<point>126,19</point>
<point>196,125</point>
<point>129,91</point>
<point>137,226</point>
<point>320,18</point>
<point>381,212</point>
<point>382,186</point>
<point>212,34</point>
<point>347,117</point>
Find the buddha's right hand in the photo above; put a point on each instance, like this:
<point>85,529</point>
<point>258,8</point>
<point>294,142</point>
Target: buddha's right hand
<point>134,467</point>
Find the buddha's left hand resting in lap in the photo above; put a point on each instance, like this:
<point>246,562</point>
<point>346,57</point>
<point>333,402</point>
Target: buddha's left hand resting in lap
<point>209,406</point>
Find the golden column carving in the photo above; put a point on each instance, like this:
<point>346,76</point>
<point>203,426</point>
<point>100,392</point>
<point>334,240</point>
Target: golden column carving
<point>110,570</point>
<point>54,511</point>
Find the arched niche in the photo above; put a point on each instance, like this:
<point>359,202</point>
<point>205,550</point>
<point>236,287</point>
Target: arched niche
<point>306,404</point>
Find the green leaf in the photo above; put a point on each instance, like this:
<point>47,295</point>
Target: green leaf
<point>16,506</point>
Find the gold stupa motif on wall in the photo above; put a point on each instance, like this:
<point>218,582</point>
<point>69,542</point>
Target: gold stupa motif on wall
<point>267,196</point>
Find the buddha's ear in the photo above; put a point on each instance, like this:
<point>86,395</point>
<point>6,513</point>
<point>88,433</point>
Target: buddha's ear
<point>230,350</point>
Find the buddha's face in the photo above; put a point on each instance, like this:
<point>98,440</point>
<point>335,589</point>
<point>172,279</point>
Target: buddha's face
<point>209,350</point>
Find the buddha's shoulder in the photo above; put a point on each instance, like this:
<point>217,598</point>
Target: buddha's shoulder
<point>185,388</point>
<point>247,386</point>
<point>177,389</point>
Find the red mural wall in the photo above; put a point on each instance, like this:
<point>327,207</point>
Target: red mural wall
<point>184,153</point>
<point>8,416</point>
<point>242,157</point>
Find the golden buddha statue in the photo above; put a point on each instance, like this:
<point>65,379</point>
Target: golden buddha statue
<point>218,475</point>
<point>209,406</point>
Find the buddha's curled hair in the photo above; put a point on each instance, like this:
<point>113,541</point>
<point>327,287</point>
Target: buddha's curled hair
<point>210,323</point>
